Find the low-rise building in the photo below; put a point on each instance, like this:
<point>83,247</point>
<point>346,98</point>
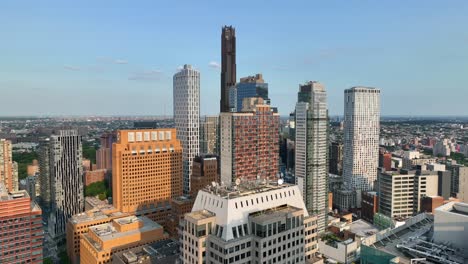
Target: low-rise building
<point>161,252</point>
<point>103,241</point>
<point>79,224</point>
<point>451,225</point>
<point>369,206</point>
<point>92,176</point>
<point>341,251</point>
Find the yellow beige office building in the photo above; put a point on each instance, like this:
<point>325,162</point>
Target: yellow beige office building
<point>147,172</point>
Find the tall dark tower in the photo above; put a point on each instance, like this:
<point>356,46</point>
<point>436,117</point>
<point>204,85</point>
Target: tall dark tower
<point>228,65</point>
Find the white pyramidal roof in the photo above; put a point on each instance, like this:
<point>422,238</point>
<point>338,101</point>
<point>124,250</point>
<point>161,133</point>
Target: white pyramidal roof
<point>232,208</point>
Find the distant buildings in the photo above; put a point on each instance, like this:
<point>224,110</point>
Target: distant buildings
<point>228,65</point>
<point>147,172</point>
<point>187,117</point>
<point>443,148</point>
<point>205,171</point>
<point>104,153</point>
<point>249,143</point>
<point>412,159</point>
<point>361,137</point>
<point>265,224</point>
<point>251,86</point>
<point>385,161</point>
<point>458,172</point>
<point>311,164</point>
<point>209,139</point>
<point>21,235</point>
<point>61,179</point>
<point>8,168</point>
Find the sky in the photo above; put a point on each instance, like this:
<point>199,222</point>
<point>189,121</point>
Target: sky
<point>118,57</point>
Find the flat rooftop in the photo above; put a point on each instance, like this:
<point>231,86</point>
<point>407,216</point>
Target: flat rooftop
<point>245,189</point>
<point>161,252</point>
<point>8,196</point>
<point>273,213</point>
<point>455,208</point>
<point>95,214</point>
<point>108,232</point>
<point>363,228</point>
<point>200,215</point>
<point>414,241</point>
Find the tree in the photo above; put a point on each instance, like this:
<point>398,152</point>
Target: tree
<point>48,261</point>
<point>24,159</point>
<point>89,151</point>
<point>64,258</point>
<point>98,189</point>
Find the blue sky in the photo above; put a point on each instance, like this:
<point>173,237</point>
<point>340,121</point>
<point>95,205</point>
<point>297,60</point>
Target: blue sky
<point>118,57</point>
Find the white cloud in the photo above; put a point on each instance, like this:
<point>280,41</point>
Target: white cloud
<point>214,64</point>
<point>71,68</point>
<point>146,75</point>
<point>120,61</point>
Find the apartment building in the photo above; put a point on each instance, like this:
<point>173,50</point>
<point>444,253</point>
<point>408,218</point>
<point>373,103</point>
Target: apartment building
<point>21,235</point>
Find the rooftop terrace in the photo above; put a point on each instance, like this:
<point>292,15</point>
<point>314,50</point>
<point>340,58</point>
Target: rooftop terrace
<point>200,215</point>
<point>245,189</point>
<point>274,213</point>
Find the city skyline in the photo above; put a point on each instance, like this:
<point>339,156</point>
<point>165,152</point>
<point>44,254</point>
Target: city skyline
<point>409,53</point>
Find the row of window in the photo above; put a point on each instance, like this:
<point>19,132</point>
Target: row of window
<point>267,198</point>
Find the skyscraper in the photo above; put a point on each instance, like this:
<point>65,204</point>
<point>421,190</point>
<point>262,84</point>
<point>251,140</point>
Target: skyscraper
<point>250,86</point>
<point>249,143</point>
<point>186,95</point>
<point>8,168</point>
<point>361,137</point>
<point>228,65</point>
<point>312,151</point>
<point>209,135</point>
<point>62,179</point>
<point>44,173</point>
<point>146,171</point>
<point>336,158</point>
